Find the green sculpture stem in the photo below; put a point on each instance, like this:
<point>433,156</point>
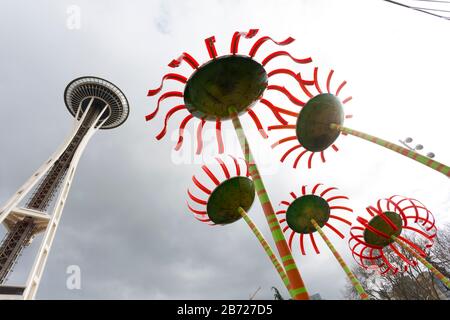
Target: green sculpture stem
<point>428,265</point>
<point>298,289</point>
<point>442,168</point>
<point>266,246</point>
<point>355,282</point>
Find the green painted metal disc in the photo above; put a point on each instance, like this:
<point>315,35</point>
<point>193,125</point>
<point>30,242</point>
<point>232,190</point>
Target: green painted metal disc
<point>379,224</point>
<point>231,81</point>
<point>227,197</point>
<point>305,208</point>
<point>313,123</point>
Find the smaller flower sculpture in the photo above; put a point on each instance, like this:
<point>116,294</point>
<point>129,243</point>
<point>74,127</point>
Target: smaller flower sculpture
<point>398,226</point>
<point>217,201</point>
<point>312,211</point>
<point>311,134</point>
<point>320,122</point>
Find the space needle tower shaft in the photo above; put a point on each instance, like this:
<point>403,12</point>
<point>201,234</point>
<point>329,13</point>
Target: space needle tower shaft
<point>96,104</point>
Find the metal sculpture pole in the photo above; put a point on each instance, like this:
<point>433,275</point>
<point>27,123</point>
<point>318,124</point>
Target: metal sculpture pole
<point>298,289</point>
<point>428,265</point>
<point>435,165</point>
<point>267,248</point>
<point>355,282</point>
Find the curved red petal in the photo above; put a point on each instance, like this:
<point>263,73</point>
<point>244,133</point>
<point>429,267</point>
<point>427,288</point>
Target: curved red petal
<point>284,53</point>
<point>168,76</point>
<point>166,120</point>
<point>175,63</point>
<point>261,40</point>
<point>181,131</point>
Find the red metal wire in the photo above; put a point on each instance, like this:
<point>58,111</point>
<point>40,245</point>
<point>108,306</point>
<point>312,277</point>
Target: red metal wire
<point>314,189</point>
<point>346,100</point>
<point>310,159</point>
<point>211,175</point>
<point>291,138</point>
<point>274,111</point>
<point>224,168</point>
<point>335,230</point>
<point>175,63</point>
<point>299,157</point>
<point>322,156</point>
<point>236,165</point>
<point>276,127</point>
<point>261,40</point>
<point>302,244</point>
<point>199,136</point>
<point>236,37</point>
<point>196,211</point>
<point>316,80</point>
<point>332,216</point>
<point>181,131</point>
<point>313,241</point>
<point>284,53</point>
<point>330,74</point>
<point>195,199</point>
<point>219,138</point>
<point>340,88</point>
<point>303,190</point>
<point>324,192</point>
<point>201,186</point>
<point>286,92</point>
<point>257,123</point>
<point>164,96</point>
<point>209,42</point>
<point>168,76</point>
<point>288,152</point>
<point>166,120</point>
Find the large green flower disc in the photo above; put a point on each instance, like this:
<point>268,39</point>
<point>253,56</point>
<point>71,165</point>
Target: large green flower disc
<point>313,123</point>
<point>226,82</point>
<point>227,197</point>
<point>305,208</point>
<point>381,225</point>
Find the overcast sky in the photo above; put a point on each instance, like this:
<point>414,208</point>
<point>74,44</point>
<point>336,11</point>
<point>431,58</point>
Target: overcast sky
<point>125,223</point>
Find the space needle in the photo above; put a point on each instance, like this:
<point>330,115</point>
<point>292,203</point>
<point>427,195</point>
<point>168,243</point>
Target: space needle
<point>38,204</point>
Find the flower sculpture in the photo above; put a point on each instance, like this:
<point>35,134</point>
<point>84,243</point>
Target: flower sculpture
<point>310,135</point>
<point>309,213</point>
<point>320,122</point>
<point>225,197</point>
<point>395,225</point>
<point>232,81</point>
<point>226,87</point>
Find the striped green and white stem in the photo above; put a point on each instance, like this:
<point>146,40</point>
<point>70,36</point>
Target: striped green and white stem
<point>355,282</point>
<point>428,265</point>
<point>297,286</point>
<point>435,165</point>
<point>276,263</point>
